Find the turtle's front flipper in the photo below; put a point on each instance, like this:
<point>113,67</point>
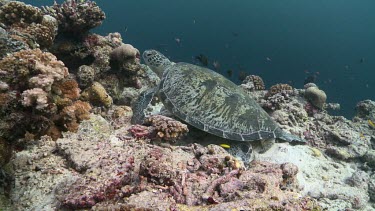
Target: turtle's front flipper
<point>141,104</point>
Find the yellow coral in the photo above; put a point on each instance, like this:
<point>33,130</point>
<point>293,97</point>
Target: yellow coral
<point>97,94</point>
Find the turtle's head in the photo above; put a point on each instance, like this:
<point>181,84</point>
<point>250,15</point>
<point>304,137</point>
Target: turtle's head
<point>156,61</point>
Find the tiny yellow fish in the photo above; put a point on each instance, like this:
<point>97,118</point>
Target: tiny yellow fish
<point>362,135</point>
<point>371,124</point>
<point>225,146</point>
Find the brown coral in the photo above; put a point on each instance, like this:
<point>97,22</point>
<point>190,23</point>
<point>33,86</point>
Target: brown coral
<point>278,88</point>
<point>166,128</point>
<point>43,35</point>
<point>19,12</point>
<point>21,66</point>
<point>97,95</point>
<point>255,82</point>
<point>76,17</point>
<point>69,89</point>
<point>72,115</point>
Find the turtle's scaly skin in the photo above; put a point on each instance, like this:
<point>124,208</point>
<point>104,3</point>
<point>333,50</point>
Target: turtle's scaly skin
<point>210,102</point>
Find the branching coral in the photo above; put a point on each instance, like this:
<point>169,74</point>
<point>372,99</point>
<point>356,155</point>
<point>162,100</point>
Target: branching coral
<point>279,88</point>
<point>36,87</point>
<point>253,82</point>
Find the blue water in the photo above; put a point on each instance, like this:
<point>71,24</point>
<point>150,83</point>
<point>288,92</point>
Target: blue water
<point>333,40</point>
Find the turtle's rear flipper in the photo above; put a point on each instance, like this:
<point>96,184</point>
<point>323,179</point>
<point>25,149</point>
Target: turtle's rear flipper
<point>141,104</point>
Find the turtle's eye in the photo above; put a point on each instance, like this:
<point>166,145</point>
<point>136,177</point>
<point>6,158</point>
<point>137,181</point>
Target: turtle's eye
<point>149,54</point>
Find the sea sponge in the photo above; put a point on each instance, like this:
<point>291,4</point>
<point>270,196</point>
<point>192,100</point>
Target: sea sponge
<point>316,96</point>
<point>17,12</point>
<point>166,128</point>
<point>97,95</point>
<point>126,57</point>
<point>124,52</point>
<point>278,88</point>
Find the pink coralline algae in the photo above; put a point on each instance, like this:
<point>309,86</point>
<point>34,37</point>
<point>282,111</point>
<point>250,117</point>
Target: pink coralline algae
<point>83,196</point>
<point>160,128</point>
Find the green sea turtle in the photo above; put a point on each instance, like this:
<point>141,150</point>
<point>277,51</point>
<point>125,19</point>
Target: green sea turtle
<point>208,101</point>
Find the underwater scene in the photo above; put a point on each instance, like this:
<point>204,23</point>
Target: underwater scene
<point>187,105</point>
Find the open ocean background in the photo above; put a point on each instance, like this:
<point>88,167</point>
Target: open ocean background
<point>333,40</point>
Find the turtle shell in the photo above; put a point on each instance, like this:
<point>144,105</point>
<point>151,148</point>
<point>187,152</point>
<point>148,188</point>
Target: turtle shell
<point>212,103</point>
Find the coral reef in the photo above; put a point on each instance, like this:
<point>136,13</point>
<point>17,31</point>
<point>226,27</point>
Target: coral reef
<point>93,157</point>
<point>316,96</point>
<point>126,57</point>
<point>253,82</point>
<point>126,171</point>
<point>76,17</point>
<point>5,152</point>
<point>160,128</point>
<point>279,88</point>
<point>97,95</point>
<point>38,95</point>
<point>28,25</point>
<point>9,44</point>
<point>85,75</point>
<point>366,110</point>
<point>18,12</point>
